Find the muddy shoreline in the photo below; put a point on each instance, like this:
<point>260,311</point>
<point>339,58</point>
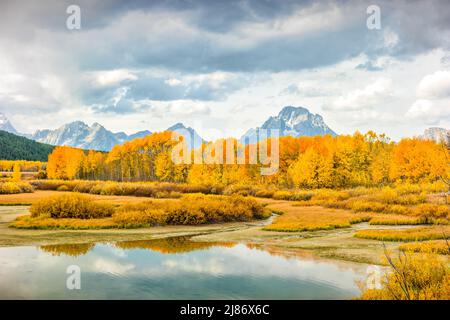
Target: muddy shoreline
<point>337,244</point>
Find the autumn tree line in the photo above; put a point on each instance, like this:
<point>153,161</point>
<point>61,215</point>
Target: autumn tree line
<point>306,162</point>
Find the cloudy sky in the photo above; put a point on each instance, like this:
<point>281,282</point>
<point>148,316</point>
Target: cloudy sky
<point>225,66</point>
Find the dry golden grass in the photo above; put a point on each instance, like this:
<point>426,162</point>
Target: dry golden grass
<point>395,219</point>
<point>407,235</point>
<point>30,198</point>
<point>312,218</point>
<point>433,246</point>
<point>27,222</point>
<point>412,201</point>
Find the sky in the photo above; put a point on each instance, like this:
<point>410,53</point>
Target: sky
<point>225,66</point>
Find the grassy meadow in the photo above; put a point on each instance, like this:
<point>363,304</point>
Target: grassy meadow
<point>360,191</point>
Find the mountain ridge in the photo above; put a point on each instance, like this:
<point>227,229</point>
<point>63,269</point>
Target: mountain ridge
<point>293,121</point>
<point>290,121</point>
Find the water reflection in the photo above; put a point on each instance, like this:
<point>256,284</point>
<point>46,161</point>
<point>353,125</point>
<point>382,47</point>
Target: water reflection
<point>173,268</point>
<point>73,250</point>
<point>163,245</point>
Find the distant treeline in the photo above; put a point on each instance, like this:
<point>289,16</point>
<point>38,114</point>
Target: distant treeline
<point>305,162</point>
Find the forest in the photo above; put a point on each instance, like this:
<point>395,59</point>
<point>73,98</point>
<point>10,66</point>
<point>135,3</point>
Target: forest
<point>306,162</point>
<point>13,147</point>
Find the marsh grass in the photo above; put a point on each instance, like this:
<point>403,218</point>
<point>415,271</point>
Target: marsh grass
<point>295,219</point>
<point>433,246</point>
<point>406,235</point>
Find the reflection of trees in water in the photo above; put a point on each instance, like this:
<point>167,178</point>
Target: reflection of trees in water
<point>164,245</point>
<point>171,245</point>
<point>280,251</point>
<point>73,250</point>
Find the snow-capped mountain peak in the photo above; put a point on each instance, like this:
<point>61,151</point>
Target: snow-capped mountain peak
<point>79,134</point>
<point>192,138</point>
<point>5,125</point>
<point>291,121</point>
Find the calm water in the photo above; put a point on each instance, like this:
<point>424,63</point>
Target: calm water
<point>174,268</point>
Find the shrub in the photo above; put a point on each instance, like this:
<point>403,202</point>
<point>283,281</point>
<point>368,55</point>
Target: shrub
<point>63,188</point>
<point>431,211</point>
<point>331,195</point>
<point>413,277</point>
<point>145,218</point>
<point>140,189</point>
<point>15,187</point>
<point>293,196</point>
<point>263,193</point>
<point>398,209</point>
<point>70,206</point>
<point>239,190</point>
<point>191,210</point>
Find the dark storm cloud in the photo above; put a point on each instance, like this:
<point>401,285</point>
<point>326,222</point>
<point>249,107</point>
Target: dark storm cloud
<point>419,25</point>
<point>202,37</point>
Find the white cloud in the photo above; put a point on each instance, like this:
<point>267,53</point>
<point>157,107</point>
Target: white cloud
<point>173,82</point>
<point>113,267</point>
<point>420,109</point>
<point>436,85</point>
<point>367,97</point>
<point>429,112</point>
<point>183,107</point>
<point>112,77</point>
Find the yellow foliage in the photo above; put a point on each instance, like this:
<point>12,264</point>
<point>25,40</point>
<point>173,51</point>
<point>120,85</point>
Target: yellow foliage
<point>28,222</point>
<point>70,206</point>
<point>190,210</point>
<point>15,187</point>
<point>414,277</point>
<point>434,246</point>
<point>312,218</point>
<point>412,234</point>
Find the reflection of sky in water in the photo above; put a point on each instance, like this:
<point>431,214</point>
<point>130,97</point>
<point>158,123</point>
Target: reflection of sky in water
<point>214,273</point>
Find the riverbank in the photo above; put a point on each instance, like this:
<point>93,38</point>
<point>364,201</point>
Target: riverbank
<point>336,244</point>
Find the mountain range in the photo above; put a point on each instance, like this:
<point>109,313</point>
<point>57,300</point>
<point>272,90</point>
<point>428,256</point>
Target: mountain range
<point>290,121</point>
<point>79,134</point>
